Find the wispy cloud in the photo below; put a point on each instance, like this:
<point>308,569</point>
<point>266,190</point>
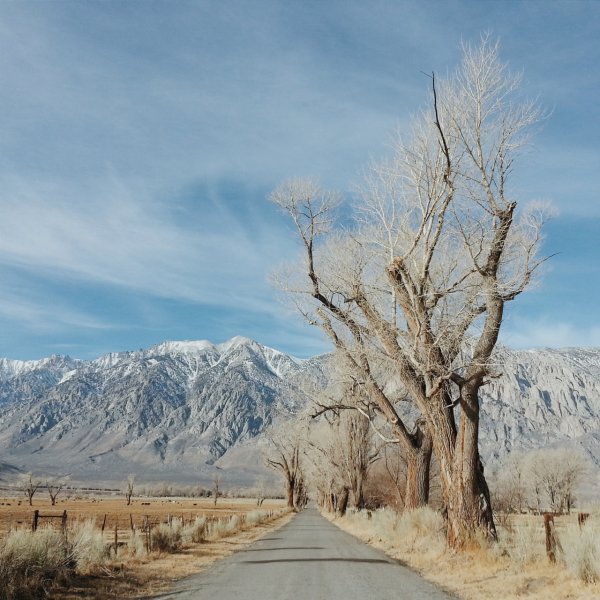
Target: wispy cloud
<point>138,143</point>
<point>543,333</point>
<point>128,238</point>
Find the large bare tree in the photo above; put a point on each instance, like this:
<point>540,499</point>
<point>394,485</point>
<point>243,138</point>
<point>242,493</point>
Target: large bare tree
<point>421,276</point>
<point>285,456</point>
<point>343,450</point>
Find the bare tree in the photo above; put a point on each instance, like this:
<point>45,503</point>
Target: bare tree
<point>554,475</point>
<point>29,484</point>
<point>423,277</point>
<point>347,450</point>
<point>284,456</point>
<point>216,487</point>
<point>54,487</point>
<point>129,489</point>
<point>335,270</point>
<point>511,486</point>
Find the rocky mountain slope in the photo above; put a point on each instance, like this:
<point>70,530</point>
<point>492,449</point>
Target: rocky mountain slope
<point>168,412</point>
<point>180,410</point>
<point>543,398</point>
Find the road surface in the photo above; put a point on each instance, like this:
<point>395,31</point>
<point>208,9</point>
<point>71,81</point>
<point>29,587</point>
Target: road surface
<point>308,559</point>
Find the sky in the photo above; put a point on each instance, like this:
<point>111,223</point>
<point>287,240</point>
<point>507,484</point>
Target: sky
<point>139,141</point>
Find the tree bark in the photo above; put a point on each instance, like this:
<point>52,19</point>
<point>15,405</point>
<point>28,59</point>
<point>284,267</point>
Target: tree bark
<point>343,502</point>
<point>358,492</point>
<point>467,494</point>
<point>291,485</point>
<point>418,465</point>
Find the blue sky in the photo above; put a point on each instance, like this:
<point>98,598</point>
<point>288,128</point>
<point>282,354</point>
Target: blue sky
<point>139,141</point>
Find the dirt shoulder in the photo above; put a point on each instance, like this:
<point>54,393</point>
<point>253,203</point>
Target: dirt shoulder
<point>155,574</point>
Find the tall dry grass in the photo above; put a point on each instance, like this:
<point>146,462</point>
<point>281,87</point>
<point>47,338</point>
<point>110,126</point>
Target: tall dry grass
<point>30,562</point>
<point>514,567</point>
<point>580,550</point>
<point>88,549</point>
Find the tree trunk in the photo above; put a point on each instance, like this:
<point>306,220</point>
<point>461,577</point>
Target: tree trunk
<point>343,502</point>
<point>418,463</point>
<point>291,485</point>
<point>467,493</point>
<point>417,478</point>
<point>358,493</point>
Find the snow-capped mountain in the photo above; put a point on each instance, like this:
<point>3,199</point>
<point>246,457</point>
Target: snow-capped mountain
<point>168,411</point>
<point>179,409</point>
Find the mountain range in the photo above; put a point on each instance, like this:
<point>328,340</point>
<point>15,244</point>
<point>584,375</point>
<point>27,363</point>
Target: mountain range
<point>167,413</point>
<point>180,411</point>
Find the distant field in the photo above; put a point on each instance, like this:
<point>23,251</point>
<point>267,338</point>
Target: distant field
<point>15,511</point>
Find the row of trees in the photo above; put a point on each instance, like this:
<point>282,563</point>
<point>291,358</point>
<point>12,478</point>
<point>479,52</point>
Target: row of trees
<point>410,282</point>
<point>345,460</point>
<point>30,484</point>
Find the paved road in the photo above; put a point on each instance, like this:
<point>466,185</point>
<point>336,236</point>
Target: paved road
<point>307,559</point>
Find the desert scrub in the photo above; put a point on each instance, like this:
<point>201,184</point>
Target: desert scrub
<point>423,528</point>
<point>88,549</point>
<point>256,517</point>
<point>30,561</point>
<point>195,532</point>
<point>580,550</point>
<point>136,545</point>
<point>224,527</point>
<point>523,543</point>
<point>167,538</point>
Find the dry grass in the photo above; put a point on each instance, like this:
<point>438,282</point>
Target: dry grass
<point>29,562</point>
<point>15,512</point>
<point>514,569</point>
<point>88,563</point>
<point>154,574</point>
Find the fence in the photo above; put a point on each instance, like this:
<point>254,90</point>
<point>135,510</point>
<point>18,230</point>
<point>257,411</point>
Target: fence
<point>552,541</point>
<point>117,529</point>
<point>37,516</point>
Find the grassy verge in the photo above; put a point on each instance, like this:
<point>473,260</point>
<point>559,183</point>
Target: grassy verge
<point>82,565</point>
<point>513,569</point>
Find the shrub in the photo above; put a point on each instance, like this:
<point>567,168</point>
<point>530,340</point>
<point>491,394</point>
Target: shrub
<point>523,543</point>
<point>136,545</point>
<point>88,548</point>
<point>29,561</point>
<point>256,517</point>
<point>223,527</point>
<point>196,531</point>
<point>421,522</point>
<point>166,538</point>
<point>581,551</point>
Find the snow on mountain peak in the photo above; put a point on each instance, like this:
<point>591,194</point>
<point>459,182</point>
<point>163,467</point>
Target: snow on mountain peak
<point>234,342</point>
<point>183,347</point>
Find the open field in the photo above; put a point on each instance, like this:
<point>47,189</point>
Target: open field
<point>117,563</point>
<point>112,510</point>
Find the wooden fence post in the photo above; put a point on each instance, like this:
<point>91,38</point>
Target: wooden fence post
<point>131,522</point>
<point>116,536</point>
<point>550,536</point>
<point>63,522</point>
<point>148,537</point>
<point>103,523</point>
<point>34,523</point>
<point>582,518</point>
